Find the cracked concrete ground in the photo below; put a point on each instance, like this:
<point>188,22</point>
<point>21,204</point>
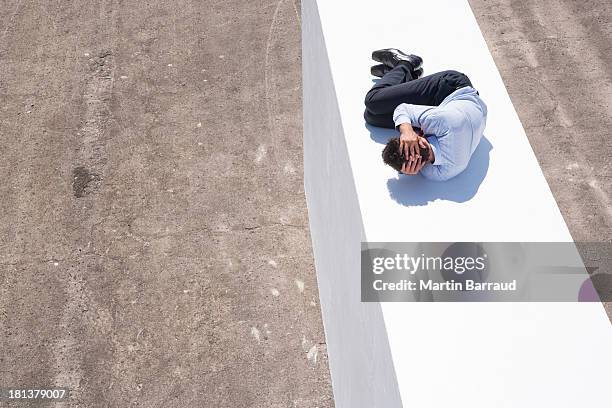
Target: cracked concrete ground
<point>154,248</point>
<point>555,57</point>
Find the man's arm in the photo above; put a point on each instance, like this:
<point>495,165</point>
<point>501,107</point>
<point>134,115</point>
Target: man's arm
<point>410,142</point>
<point>413,114</point>
<point>405,117</point>
<point>431,119</point>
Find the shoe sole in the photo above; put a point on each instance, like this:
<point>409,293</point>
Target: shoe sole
<point>379,70</point>
<point>379,56</point>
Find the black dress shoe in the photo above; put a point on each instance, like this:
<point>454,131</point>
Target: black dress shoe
<point>382,69</point>
<point>379,70</point>
<point>392,56</point>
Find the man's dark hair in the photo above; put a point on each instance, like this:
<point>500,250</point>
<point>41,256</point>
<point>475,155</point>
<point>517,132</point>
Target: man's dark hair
<point>394,158</point>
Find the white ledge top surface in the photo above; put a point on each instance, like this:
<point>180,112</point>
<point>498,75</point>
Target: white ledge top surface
<point>502,196</point>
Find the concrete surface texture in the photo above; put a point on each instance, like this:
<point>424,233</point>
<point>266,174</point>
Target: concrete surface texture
<point>556,60</point>
<point>555,57</point>
<point>154,248</point>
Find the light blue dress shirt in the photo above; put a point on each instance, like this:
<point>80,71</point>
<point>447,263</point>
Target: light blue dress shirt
<point>453,130</point>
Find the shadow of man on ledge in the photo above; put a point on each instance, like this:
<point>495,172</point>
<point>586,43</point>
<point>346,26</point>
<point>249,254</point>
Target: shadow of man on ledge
<point>417,190</point>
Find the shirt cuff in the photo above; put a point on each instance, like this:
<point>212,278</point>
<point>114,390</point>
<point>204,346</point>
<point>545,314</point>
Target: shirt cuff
<point>402,118</point>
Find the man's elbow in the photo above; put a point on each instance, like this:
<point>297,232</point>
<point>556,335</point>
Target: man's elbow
<point>440,175</point>
<point>450,173</point>
<point>445,177</point>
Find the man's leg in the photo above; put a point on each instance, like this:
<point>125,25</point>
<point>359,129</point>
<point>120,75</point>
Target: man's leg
<point>383,121</point>
<point>398,75</point>
<point>431,90</point>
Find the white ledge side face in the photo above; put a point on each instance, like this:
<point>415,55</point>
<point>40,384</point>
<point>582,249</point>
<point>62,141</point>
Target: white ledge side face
<point>431,354</point>
<point>358,349</point>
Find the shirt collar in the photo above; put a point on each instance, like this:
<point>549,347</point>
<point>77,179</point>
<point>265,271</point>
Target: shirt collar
<point>439,159</point>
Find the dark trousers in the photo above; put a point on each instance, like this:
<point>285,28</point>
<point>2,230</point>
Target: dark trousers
<point>399,86</point>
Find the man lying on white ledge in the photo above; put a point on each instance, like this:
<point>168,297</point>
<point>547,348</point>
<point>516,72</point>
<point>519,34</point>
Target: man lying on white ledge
<point>440,117</point>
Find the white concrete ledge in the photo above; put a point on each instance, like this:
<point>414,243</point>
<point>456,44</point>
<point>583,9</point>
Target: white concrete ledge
<point>431,354</point>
